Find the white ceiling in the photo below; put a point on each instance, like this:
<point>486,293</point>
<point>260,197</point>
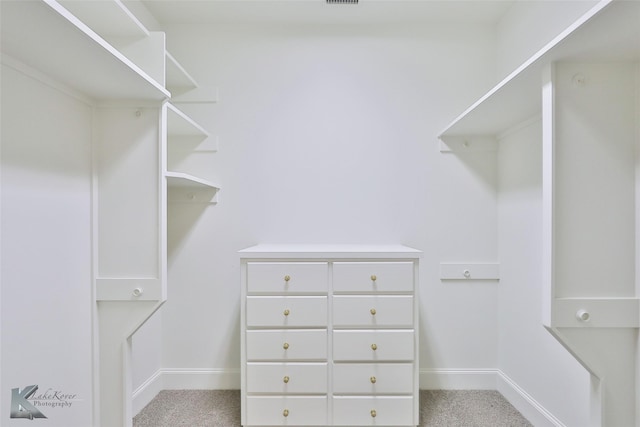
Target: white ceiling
<point>317,11</point>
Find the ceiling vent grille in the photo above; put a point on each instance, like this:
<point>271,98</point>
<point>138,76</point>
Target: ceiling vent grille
<point>342,1</point>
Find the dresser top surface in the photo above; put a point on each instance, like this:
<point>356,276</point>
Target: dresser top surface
<point>337,251</point>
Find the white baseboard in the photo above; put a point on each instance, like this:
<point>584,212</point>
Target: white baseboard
<point>184,379</point>
<point>525,403</point>
<point>489,379</point>
<point>201,379</point>
<point>146,392</point>
<point>458,379</point>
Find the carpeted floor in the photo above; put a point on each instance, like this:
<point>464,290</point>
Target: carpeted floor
<point>221,408</point>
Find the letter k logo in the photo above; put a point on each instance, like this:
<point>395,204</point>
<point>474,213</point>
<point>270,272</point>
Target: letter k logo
<point>21,407</point>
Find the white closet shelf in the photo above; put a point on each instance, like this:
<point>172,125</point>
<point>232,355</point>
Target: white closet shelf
<point>607,32</point>
<point>44,35</point>
<point>108,18</point>
<point>177,78</point>
<point>183,87</point>
<point>179,124</point>
<point>186,181</point>
<point>185,188</point>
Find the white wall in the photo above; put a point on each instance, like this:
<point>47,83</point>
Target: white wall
<point>327,134</point>
<point>528,354</point>
<point>530,25</point>
<point>46,250</point>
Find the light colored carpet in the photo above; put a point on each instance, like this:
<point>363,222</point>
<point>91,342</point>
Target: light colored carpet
<point>221,408</point>
<point>468,408</point>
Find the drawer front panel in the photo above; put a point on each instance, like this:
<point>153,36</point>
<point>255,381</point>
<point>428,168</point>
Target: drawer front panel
<point>373,311</point>
<point>287,277</point>
<point>368,277</point>
<point>373,411</point>
<point>287,378</point>
<point>287,410</point>
<point>373,378</point>
<point>287,345</point>
<point>380,345</point>
<point>283,312</point>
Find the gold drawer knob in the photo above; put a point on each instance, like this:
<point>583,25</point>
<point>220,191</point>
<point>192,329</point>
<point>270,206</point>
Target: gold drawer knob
<point>285,413</point>
<point>373,413</point>
<point>373,380</point>
<point>373,311</point>
<point>374,277</point>
<point>286,312</point>
<point>285,346</point>
<point>287,278</point>
<point>285,380</point>
<point>374,347</point>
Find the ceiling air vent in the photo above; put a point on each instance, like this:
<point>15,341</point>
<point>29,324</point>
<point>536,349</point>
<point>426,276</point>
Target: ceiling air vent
<point>342,1</point>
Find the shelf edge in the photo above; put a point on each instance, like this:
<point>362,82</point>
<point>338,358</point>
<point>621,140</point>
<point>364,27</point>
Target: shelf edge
<point>526,65</point>
<point>101,42</point>
<point>186,119</point>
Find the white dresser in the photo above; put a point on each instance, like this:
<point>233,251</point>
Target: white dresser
<point>329,335</point>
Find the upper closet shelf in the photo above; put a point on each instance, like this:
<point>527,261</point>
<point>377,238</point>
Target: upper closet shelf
<point>183,180</point>
<point>179,124</point>
<point>178,80</point>
<point>610,31</point>
<point>44,35</point>
<point>107,18</point>
<point>185,188</point>
<point>183,87</point>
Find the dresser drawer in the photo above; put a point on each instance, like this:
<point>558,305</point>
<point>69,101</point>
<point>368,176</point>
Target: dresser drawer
<point>368,277</point>
<point>287,378</point>
<point>374,411</point>
<point>373,378</point>
<point>282,312</point>
<point>287,277</point>
<point>286,345</point>
<point>378,345</point>
<point>286,411</point>
<point>373,311</point>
